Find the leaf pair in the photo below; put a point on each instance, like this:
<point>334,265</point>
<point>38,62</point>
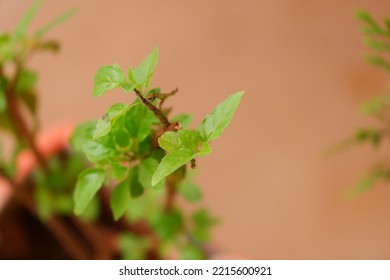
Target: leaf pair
<point>111,77</point>
<point>20,31</point>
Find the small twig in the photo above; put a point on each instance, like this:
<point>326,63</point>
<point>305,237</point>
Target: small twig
<point>164,96</point>
<point>20,125</point>
<point>156,111</point>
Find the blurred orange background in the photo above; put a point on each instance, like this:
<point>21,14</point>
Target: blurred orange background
<point>302,67</point>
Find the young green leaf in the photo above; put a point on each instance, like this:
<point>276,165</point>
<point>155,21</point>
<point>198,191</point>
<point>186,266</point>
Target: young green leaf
<point>189,191</point>
<point>169,141</point>
<point>189,138</point>
<point>146,170</point>
<point>119,199</point>
<point>118,171</point>
<point>56,21</point>
<point>6,48</point>
<point>103,127</point>
<point>205,150</point>
<point>145,70</point>
<point>379,61</point>
<point>21,28</point>
<point>215,123</point>
<point>88,184</point>
<point>136,189</point>
<point>92,212</point>
<point>172,161</point>
<point>138,121</point>
<point>108,78</point>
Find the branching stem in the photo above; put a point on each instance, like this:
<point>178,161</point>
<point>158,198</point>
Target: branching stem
<point>156,111</point>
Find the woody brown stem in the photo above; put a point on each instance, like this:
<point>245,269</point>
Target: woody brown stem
<point>20,126</point>
<point>63,233</point>
<point>156,111</point>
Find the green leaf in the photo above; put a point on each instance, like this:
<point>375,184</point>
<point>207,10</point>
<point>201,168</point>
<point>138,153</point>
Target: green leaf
<point>92,212</point>
<point>43,202</point>
<point>184,119</point>
<point>128,86</point>
<point>82,133</point>
<point>205,150</point>
<point>122,138</point>
<point>215,123</point>
<point>138,121</point>
<point>88,184</point>
<point>378,45</point>
<point>25,87</point>
<point>103,127</point>
<point>169,141</point>
<point>379,61</point>
<point>133,247</point>
<point>172,161</point>
<point>189,139</point>
<point>63,204</point>
<point>97,151</point>
<point>6,48</point>
<point>119,199</point>
<point>136,189</point>
<point>3,100</point>
<point>185,138</point>
<point>118,171</point>
<point>21,28</point>
<point>146,170</point>
<point>26,81</point>
<point>130,76</point>
<point>189,191</point>
<point>365,17</point>
<point>375,105</point>
<point>369,135</point>
<point>202,222</point>
<point>369,181</point>
<point>168,225</point>
<point>108,78</point>
<point>56,21</point>
<point>145,206</point>
<point>145,70</point>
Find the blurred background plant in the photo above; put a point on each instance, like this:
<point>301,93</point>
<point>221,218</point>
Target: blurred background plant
<point>377,39</point>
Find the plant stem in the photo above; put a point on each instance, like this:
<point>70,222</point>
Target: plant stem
<point>21,128</point>
<point>156,111</point>
<point>170,196</point>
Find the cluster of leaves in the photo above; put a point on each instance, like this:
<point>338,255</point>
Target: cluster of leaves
<point>135,153</point>
<point>377,38</point>
<point>134,150</point>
